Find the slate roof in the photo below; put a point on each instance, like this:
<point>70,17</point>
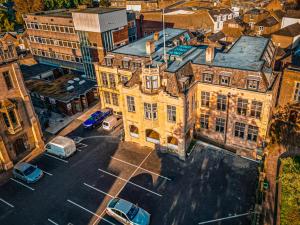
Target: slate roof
<point>267,22</point>
<point>289,31</point>
<point>293,14</point>
<point>30,71</point>
<point>216,37</point>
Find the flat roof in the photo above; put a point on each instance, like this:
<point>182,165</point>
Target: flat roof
<point>98,10</point>
<point>30,71</point>
<point>245,54</point>
<point>138,48</point>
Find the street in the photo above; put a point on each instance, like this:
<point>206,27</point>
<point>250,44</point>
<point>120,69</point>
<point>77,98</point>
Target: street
<point>210,184</point>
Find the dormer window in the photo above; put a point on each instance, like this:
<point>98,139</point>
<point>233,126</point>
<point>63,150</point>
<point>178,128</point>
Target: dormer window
<point>108,61</point>
<point>207,77</point>
<point>224,80</point>
<point>126,63</point>
<point>151,82</point>
<point>252,84</point>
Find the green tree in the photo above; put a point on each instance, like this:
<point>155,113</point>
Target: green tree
<point>5,23</point>
<point>104,3</point>
<point>27,6</point>
<point>58,4</point>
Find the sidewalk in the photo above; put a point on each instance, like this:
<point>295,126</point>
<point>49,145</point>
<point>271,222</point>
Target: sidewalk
<point>271,175</point>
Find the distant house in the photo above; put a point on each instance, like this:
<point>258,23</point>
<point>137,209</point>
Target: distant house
<point>219,16</point>
<point>234,28</point>
<point>291,17</point>
<point>287,37</point>
<point>266,26</point>
<point>254,16</point>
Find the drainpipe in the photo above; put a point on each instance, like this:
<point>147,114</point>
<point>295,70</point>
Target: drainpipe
<point>227,117</point>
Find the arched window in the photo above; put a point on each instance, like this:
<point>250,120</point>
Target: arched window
<point>152,136</point>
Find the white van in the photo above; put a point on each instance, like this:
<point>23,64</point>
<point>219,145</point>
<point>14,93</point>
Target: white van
<point>61,146</point>
<point>111,122</point>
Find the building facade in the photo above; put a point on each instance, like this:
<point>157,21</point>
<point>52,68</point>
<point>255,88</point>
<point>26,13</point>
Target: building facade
<point>225,98</point>
<point>75,39</point>
<point>20,133</point>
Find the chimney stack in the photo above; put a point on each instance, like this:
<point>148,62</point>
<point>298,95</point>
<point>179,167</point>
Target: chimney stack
<point>156,36</point>
<point>209,54</point>
<point>150,47</point>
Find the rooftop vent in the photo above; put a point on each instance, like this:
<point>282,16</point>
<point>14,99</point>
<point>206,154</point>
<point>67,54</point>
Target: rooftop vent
<point>81,82</point>
<point>70,82</point>
<point>76,79</point>
<point>70,88</point>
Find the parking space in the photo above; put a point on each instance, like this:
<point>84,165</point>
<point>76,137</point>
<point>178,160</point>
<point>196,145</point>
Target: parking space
<point>208,186</point>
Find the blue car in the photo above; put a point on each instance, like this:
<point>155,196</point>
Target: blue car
<point>127,213</point>
<point>27,172</point>
<point>97,118</point>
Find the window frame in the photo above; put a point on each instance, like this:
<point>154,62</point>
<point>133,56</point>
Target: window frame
<point>171,113</point>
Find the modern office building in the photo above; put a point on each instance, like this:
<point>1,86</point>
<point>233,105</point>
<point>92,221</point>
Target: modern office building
<point>20,133</point>
<point>75,39</point>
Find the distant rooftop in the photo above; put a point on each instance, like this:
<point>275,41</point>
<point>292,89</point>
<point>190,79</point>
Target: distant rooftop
<point>67,13</point>
<point>292,30</point>
<point>35,70</point>
<point>138,48</point>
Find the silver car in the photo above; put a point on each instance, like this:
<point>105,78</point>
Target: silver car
<point>127,212</point>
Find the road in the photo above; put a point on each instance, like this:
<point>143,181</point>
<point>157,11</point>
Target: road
<point>209,185</point>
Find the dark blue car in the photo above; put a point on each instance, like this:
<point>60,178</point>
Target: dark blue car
<point>97,118</point>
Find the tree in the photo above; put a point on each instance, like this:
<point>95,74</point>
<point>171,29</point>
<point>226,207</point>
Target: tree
<point>27,6</point>
<point>58,4</point>
<point>5,23</point>
<point>104,3</point>
<point>285,126</point>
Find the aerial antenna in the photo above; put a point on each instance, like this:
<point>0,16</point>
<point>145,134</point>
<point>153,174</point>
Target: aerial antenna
<point>164,34</point>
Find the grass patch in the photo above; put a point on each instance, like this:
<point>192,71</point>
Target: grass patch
<point>290,191</point>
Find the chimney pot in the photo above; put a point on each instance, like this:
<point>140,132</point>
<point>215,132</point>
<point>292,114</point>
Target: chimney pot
<point>156,36</point>
<point>209,54</point>
<point>150,47</point>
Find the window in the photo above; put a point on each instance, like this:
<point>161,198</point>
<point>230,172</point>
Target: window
<point>125,64</point>
<point>239,130</point>
<point>220,125</point>
<point>204,121</point>
<point>150,111</point>
<point>224,80</point>
<point>205,97</point>
<point>151,82</point>
<point>108,61</point>
<point>242,106</point>
<point>261,28</point>
<point>115,99</point>
<point>171,110</point>
<point>8,80</point>
<point>256,108</point>
<point>130,104</point>
<point>107,97</point>
<point>297,93</point>
<point>124,79</point>
<point>252,133</point>
<point>187,109</point>
<point>6,121</point>
<point>112,81</point>
<point>104,80</point>
<point>13,117</point>
<point>252,84</point>
<point>221,102</point>
<point>207,77</point>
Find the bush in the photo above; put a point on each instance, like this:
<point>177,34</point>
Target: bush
<point>290,191</point>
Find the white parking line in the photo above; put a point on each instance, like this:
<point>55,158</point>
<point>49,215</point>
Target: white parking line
<point>87,210</point>
<point>50,174</point>
<point>81,145</point>
<point>128,182</point>
<point>96,189</point>
<point>51,221</point>
<point>54,157</point>
<point>22,184</point>
<point>226,218</point>
<point>167,178</point>
<point>7,203</point>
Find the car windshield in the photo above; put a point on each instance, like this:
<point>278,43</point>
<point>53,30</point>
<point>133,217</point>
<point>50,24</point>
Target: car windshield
<point>132,212</point>
<point>29,170</point>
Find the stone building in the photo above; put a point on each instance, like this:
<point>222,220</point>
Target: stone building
<point>20,133</point>
<point>224,98</point>
<point>77,38</point>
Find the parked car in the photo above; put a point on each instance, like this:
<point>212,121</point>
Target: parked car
<point>127,213</point>
<point>97,118</point>
<point>27,172</point>
<point>111,122</point>
<point>60,146</point>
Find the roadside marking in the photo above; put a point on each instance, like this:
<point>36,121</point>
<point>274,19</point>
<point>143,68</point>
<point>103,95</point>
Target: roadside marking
<point>226,218</point>
<point>50,174</point>
<point>128,182</point>
<point>87,210</point>
<point>81,145</point>
<point>7,203</point>
<point>167,178</point>
<point>77,139</point>
<point>52,156</point>
<point>51,221</point>
<point>96,189</point>
<point>22,184</point>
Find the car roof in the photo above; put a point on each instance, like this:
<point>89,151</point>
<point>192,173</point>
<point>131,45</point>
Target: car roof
<point>61,141</point>
<point>123,206</point>
<point>22,166</point>
<point>109,119</point>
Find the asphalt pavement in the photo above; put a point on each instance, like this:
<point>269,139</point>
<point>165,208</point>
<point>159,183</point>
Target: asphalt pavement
<point>211,184</point>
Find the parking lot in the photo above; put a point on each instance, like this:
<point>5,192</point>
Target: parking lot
<point>211,184</point>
